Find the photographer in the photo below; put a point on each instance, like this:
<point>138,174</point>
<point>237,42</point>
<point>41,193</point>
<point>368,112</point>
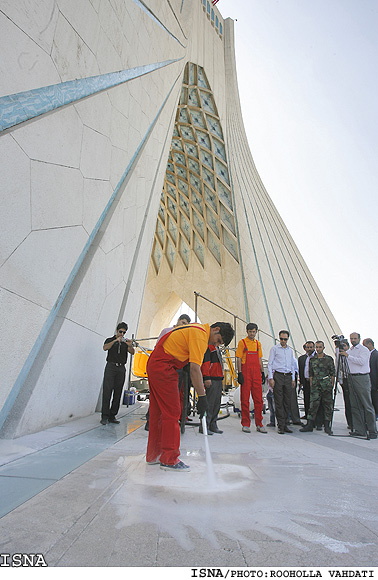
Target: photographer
<point>363,413</point>
<point>117,348</point>
<point>343,382</point>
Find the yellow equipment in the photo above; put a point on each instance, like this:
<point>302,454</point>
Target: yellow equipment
<point>140,359</point>
<point>230,367</point>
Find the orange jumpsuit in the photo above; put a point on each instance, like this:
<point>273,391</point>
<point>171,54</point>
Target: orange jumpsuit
<point>249,351</point>
<point>172,352</point>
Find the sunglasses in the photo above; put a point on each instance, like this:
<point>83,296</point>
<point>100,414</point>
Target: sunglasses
<point>285,339</point>
<point>122,331</point>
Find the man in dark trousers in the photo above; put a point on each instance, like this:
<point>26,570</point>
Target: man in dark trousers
<point>282,367</point>
<point>373,363</point>
<point>322,376</point>
<point>304,381</point>
<point>212,371</point>
<point>363,412</point>
<point>117,347</point>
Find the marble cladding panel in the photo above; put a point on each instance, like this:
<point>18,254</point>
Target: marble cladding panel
<point>26,68</point>
<point>120,129</point>
<point>109,312</point>
<point>15,311</point>
<point>107,57</point>
<point>95,286</point>
<point>54,138</point>
<point>111,25</point>
<point>96,194</point>
<point>38,18</point>
<point>96,4</point>
<point>72,57</point>
<point>56,196</point>
<point>15,202</point>
<point>65,370</point>
<point>113,234</point>
<point>84,20</point>
<point>168,17</point>
<point>42,285</point>
<point>96,155</point>
<point>96,112</point>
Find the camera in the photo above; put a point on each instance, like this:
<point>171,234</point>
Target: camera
<point>339,341</point>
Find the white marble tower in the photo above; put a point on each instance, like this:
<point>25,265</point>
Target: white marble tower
<point>127,184</point>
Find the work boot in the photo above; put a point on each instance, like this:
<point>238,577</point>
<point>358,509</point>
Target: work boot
<point>207,429</point>
<point>327,427</point>
<point>308,427</point>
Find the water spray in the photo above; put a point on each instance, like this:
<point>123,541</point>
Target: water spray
<point>209,462</point>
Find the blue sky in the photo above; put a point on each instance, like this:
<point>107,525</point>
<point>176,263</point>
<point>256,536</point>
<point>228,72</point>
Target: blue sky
<point>308,83</point>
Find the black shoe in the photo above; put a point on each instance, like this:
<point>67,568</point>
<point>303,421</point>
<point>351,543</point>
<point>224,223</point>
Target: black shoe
<point>287,430</point>
<point>208,431</point>
<point>114,421</point>
<point>356,434</point>
<point>307,428</point>
<point>281,432</point>
<point>327,427</point>
<point>147,426</point>
<point>298,423</point>
<point>215,430</point>
<point>372,435</point>
<point>104,421</point>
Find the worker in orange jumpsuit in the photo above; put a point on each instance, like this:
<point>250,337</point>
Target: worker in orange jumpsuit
<point>185,344</point>
<point>250,377</point>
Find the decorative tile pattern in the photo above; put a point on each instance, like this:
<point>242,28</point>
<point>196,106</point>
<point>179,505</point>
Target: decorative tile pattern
<point>172,228</point>
<point>196,190</point>
<point>199,250</point>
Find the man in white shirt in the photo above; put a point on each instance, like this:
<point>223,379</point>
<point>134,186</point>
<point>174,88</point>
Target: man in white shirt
<point>281,368</point>
<point>363,413</point>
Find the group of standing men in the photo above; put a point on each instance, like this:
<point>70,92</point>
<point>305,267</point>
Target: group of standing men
<point>282,370</point>
<point>358,378</point>
<point>196,347</point>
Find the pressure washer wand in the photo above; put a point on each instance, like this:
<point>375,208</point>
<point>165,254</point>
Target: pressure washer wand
<point>135,343</point>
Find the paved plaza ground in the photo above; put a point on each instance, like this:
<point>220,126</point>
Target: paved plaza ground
<point>83,496</point>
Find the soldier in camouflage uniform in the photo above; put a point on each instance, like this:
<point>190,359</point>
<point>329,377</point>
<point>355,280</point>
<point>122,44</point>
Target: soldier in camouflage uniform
<point>322,374</point>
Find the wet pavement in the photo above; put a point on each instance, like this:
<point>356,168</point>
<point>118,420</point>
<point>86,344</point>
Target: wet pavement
<point>82,495</point>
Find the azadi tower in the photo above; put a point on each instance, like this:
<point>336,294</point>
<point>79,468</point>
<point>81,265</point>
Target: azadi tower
<point>127,184</point>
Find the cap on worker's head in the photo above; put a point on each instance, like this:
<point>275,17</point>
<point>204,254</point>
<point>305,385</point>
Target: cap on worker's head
<point>225,330</point>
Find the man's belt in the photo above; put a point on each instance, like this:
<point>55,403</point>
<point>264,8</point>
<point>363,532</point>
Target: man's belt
<point>116,364</point>
<point>285,374</point>
<point>358,374</point>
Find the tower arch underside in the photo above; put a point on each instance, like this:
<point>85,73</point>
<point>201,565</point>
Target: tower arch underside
<point>218,233</point>
<point>195,245</point>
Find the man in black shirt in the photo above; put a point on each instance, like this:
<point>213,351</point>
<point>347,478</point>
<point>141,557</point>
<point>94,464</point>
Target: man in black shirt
<point>117,348</point>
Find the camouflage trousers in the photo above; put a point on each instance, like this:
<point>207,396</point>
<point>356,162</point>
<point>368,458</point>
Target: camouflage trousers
<point>321,392</point>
